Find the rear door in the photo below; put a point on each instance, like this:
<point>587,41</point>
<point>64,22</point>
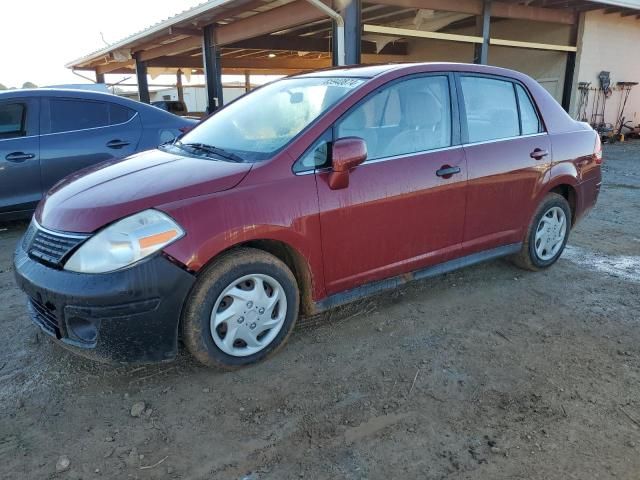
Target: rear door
<point>77,133</point>
<point>401,210</point>
<point>508,155</point>
<point>20,187</point>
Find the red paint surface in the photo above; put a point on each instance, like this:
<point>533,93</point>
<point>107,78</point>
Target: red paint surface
<point>395,216</point>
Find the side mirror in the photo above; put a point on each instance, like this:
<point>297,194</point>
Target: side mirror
<point>347,153</point>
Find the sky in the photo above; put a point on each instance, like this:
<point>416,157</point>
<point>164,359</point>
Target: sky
<point>38,37</point>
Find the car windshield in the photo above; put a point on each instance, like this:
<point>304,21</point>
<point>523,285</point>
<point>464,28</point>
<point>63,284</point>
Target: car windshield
<point>258,124</point>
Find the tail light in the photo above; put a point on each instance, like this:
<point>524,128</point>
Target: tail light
<point>598,151</point>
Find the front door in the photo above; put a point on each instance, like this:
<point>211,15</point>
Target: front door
<point>404,207</point>
<point>20,187</point>
<point>508,154</point>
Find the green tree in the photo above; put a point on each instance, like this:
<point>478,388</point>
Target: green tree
<point>29,85</point>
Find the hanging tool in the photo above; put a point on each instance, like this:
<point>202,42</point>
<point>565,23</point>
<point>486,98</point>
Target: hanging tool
<point>597,115</point>
<point>584,88</point>
<point>625,90</point>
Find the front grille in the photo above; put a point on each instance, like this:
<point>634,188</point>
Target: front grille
<point>45,316</point>
<point>50,247</point>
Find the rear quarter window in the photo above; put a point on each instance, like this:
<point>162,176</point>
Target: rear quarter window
<point>119,114</point>
<point>528,116</point>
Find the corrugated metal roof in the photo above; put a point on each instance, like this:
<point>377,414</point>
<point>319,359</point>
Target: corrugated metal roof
<point>621,3</point>
<point>185,16</point>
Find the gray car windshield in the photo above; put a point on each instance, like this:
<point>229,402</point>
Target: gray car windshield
<point>258,124</point>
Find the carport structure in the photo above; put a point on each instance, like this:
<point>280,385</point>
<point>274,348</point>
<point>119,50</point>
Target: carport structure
<point>289,36</point>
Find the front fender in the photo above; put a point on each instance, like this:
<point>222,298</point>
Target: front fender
<point>283,210</point>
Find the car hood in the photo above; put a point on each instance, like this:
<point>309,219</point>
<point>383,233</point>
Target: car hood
<point>94,197</point>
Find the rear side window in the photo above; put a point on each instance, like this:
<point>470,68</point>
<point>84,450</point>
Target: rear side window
<point>528,116</point>
<point>491,108</point>
<point>12,120</point>
<point>71,115</point>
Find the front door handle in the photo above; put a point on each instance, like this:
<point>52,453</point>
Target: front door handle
<point>117,144</point>
<point>446,171</point>
<point>538,154</point>
<point>19,156</point>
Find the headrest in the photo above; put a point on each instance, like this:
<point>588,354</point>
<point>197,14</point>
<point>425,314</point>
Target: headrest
<point>421,109</point>
<point>505,119</point>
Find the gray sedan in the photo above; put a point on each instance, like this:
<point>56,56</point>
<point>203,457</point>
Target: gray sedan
<point>46,134</point>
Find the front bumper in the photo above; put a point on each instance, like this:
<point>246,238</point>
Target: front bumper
<point>127,316</point>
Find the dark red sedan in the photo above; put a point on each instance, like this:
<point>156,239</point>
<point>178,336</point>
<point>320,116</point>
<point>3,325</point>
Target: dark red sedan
<point>309,192</point>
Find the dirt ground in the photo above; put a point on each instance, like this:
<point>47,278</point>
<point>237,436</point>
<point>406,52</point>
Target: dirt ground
<point>489,372</point>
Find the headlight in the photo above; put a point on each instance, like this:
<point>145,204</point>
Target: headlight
<point>125,242</point>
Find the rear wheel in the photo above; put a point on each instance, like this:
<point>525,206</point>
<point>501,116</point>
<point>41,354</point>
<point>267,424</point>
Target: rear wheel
<point>242,309</point>
<point>547,234</point>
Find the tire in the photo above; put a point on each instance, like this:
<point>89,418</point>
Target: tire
<point>258,328</point>
<point>530,256</point>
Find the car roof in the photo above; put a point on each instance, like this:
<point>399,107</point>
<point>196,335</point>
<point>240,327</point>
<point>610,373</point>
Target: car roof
<point>67,93</point>
<point>370,71</point>
<point>150,113</point>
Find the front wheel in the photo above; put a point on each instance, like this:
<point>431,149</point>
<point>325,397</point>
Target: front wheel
<point>547,234</point>
<point>242,309</point>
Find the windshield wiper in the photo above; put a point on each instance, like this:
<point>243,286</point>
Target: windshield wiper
<point>220,152</point>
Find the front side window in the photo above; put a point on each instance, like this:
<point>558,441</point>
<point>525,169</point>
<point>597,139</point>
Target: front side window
<point>12,120</point>
<point>491,108</point>
<point>407,117</point>
<point>259,123</point>
<point>72,115</point>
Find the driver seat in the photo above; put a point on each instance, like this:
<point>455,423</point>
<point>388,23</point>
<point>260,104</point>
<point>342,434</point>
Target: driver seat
<point>420,121</point>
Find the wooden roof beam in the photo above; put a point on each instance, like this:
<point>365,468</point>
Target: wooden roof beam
<point>168,34</point>
<point>276,63</point>
<point>113,67</point>
<point>498,9</point>
<point>538,14</point>
<point>299,63</point>
<point>252,63</point>
<point>308,44</point>
<point>560,3</point>
<point>587,7</point>
<point>174,48</point>
<point>262,23</point>
<point>193,32</point>
<point>279,18</point>
<point>284,42</point>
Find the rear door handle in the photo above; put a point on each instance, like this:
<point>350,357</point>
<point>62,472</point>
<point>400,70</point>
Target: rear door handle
<point>117,144</point>
<point>19,156</point>
<point>447,171</point>
<point>538,154</point>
